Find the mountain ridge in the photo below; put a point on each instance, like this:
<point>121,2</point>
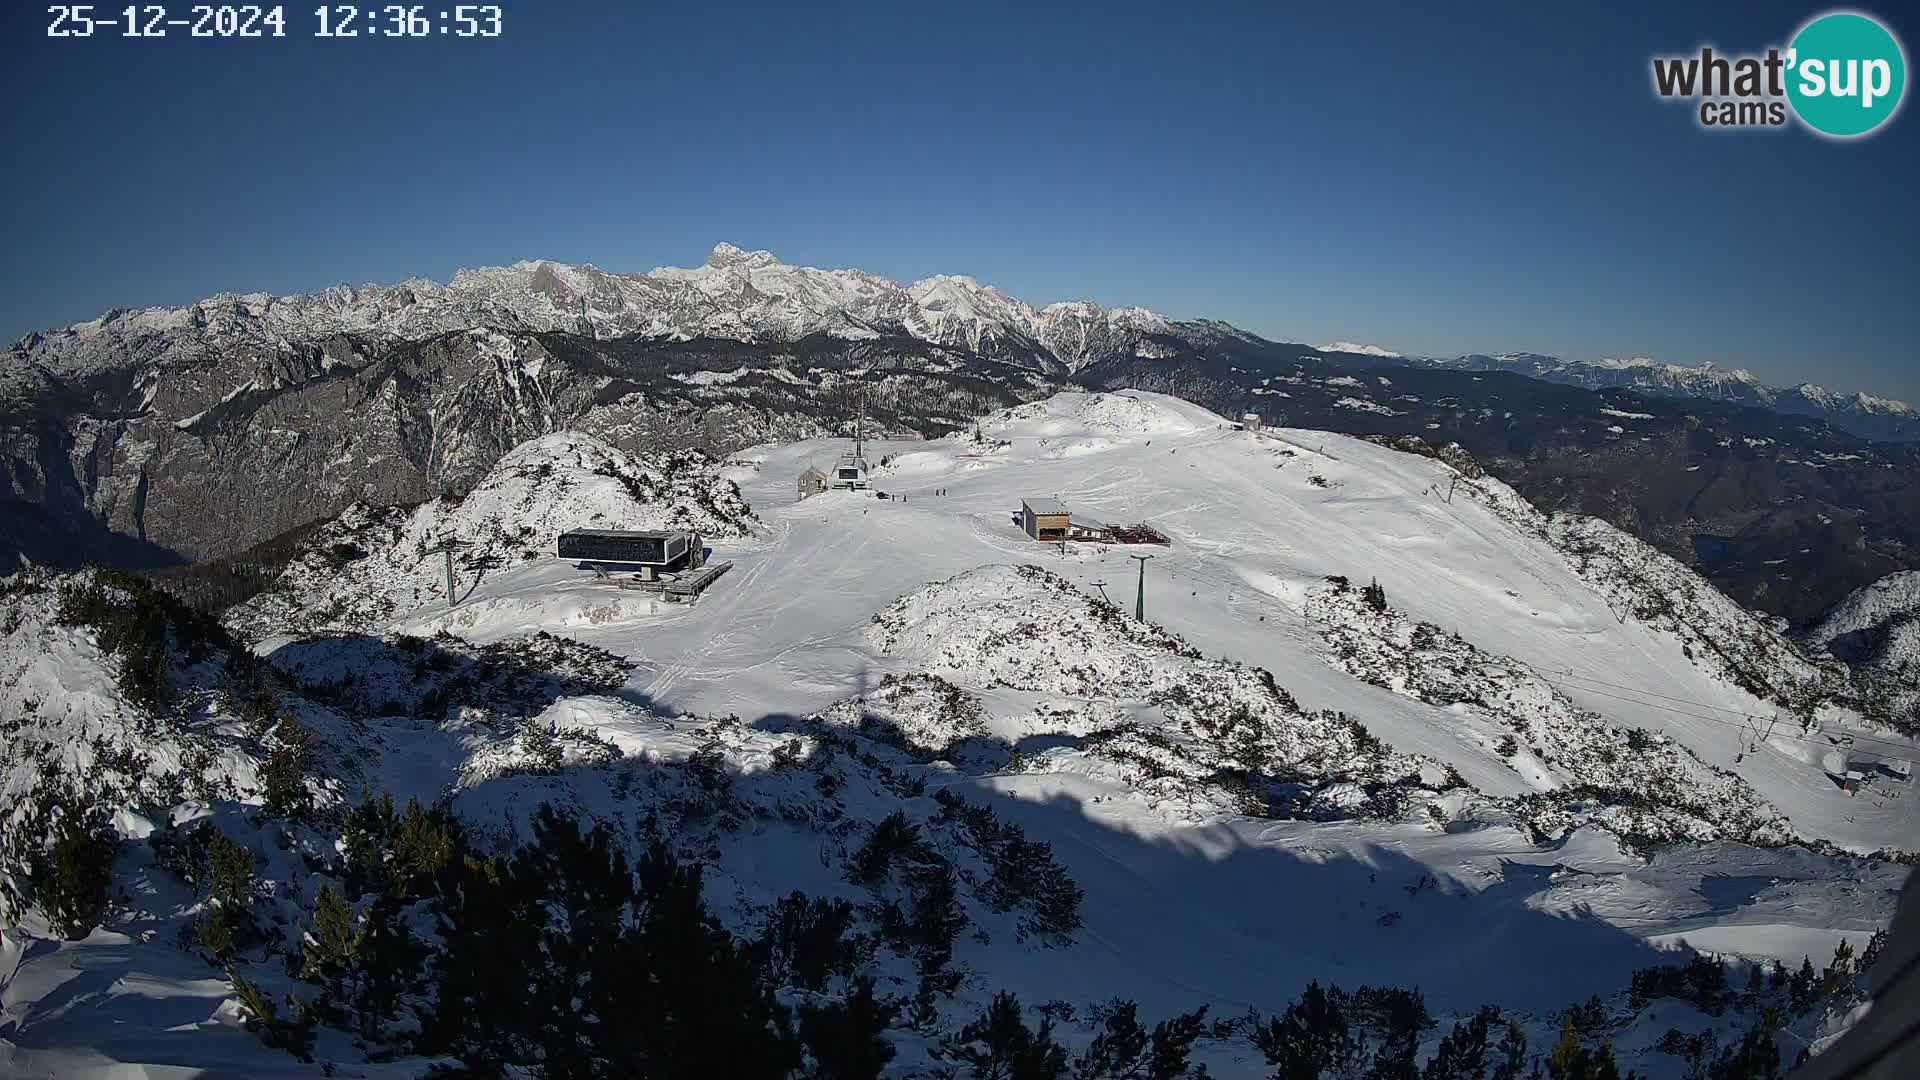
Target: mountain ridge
<point>736,294</point>
<point>1861,413</point>
<point>752,296</point>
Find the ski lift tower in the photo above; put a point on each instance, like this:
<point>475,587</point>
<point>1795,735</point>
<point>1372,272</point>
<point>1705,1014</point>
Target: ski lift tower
<point>1140,597</point>
<point>446,549</point>
<point>850,474</point>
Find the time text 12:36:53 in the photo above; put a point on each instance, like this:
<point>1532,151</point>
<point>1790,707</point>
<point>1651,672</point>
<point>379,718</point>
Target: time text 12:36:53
<point>260,21</point>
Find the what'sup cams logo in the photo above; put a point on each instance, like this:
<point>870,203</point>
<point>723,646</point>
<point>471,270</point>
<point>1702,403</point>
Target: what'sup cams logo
<point>1843,75</point>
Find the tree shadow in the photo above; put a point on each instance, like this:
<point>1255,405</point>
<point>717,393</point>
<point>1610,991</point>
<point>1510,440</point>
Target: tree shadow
<point>1242,912</point>
<point>399,675</point>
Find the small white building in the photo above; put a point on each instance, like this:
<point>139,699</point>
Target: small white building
<point>812,482</point>
<point>1082,527</point>
<point>1251,421</point>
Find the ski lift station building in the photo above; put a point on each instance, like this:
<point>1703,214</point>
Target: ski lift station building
<point>850,474</point>
<point>648,552</point>
<point>1045,519</point>
<point>1050,521</point>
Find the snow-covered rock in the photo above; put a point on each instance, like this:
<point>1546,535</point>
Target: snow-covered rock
<point>1025,629</point>
<point>1638,784</point>
<point>1876,631</point>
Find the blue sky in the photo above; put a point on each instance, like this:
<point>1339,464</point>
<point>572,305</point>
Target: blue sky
<point>1428,177</point>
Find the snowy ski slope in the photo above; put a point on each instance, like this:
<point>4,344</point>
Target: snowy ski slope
<point>1258,521</point>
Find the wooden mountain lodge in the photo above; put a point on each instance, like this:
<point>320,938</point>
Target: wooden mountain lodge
<point>1049,521</point>
<point>1045,519</point>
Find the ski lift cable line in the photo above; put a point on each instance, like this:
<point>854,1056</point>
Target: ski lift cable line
<point>1571,674</point>
<point>1748,718</point>
<point>1856,736</point>
<point>1637,701</point>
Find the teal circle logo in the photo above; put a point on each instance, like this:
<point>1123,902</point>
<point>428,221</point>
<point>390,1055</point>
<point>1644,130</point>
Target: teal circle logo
<point>1846,74</point>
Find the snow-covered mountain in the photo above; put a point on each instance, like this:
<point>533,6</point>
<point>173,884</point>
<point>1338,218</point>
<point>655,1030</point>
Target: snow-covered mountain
<point>747,296</point>
<point>922,760</point>
<point>1860,413</point>
<point>1877,632</point>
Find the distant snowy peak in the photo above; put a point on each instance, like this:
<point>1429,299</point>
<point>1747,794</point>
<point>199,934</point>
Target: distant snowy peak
<point>1864,403</point>
<point>735,294</point>
<point>1358,350</point>
<point>1706,372</point>
<point>1862,414</point>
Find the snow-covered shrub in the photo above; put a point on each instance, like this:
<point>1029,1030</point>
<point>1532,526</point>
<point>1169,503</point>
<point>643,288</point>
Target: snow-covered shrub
<point>1646,788</point>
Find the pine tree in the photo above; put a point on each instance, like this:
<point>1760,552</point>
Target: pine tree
<point>426,843</point>
<point>1755,1057</point>
<point>226,924</point>
<point>1801,989</point>
<point>1399,1017</point>
<point>389,966</point>
<point>936,922</point>
<point>568,957</point>
<point>1173,1043</point>
<point>1375,596</point>
<point>1568,1058</point>
<point>846,1041</point>
<point>1837,980</point>
<point>283,776</point>
<point>805,941</point>
<point>1124,1050</point>
<point>366,836</point>
<point>1000,1046</point>
<point>1313,1037</point>
<point>1117,1048</point>
<point>293,1034</point>
<point>71,875</point>
<point>331,942</point>
<point>1511,1055</point>
<point>1462,1054</point>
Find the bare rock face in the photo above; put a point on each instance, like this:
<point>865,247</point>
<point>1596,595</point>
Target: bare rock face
<point>185,448</point>
<point>215,452</point>
<point>196,431</point>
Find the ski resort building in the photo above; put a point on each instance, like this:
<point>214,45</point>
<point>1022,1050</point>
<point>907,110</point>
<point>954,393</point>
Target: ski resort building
<point>812,482</point>
<point>1046,519</point>
<point>1251,421</point>
<point>851,473</point>
<point>1880,766</point>
<point>648,553</point>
